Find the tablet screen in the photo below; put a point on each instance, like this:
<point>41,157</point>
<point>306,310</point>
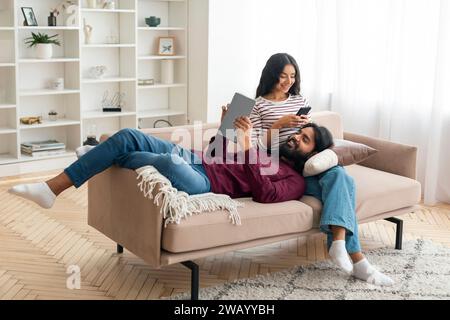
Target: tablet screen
<point>239,106</point>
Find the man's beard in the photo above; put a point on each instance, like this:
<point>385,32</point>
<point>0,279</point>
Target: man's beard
<point>295,156</point>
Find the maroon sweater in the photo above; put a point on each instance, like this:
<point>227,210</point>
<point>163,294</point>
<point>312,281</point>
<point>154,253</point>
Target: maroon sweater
<point>246,180</point>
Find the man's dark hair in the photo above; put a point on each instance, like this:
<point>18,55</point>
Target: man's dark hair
<point>323,139</point>
<point>270,75</point>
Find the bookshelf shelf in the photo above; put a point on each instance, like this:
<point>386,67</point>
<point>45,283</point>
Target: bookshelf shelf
<point>161,28</point>
<point>46,92</point>
<point>167,0</point>
<point>108,79</point>
<point>7,106</point>
<point>87,10</point>
<point>6,130</point>
<point>100,114</point>
<point>56,28</point>
<point>108,45</point>
<point>156,113</point>
<point>161,57</point>
<point>161,86</point>
<point>48,124</point>
<point>49,60</point>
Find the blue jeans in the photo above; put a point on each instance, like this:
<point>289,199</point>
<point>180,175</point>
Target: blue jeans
<point>336,190</point>
<point>132,149</point>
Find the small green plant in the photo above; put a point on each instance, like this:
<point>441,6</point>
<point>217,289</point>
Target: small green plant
<point>41,38</point>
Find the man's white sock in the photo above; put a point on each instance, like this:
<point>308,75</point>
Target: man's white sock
<point>82,150</point>
<point>340,257</point>
<point>39,193</point>
<point>365,271</point>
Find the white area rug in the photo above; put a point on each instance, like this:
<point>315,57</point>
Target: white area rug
<point>421,270</point>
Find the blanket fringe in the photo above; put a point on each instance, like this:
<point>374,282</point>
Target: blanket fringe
<point>176,205</point>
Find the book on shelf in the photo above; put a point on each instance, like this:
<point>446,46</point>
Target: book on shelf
<point>30,150</point>
<point>43,145</point>
<point>44,153</point>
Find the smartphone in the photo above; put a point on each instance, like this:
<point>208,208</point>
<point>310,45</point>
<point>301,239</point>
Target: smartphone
<point>303,111</point>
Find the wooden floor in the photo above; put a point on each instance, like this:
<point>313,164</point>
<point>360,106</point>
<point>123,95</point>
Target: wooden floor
<point>37,246</point>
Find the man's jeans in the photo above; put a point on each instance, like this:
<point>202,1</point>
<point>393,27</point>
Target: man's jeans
<point>336,190</point>
<point>132,149</point>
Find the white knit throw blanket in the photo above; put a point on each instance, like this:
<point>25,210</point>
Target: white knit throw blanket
<point>176,205</point>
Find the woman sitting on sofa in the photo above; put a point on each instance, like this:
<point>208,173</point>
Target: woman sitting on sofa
<point>275,121</point>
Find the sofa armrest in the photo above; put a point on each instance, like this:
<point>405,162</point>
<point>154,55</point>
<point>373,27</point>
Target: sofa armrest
<point>391,157</point>
<point>118,209</point>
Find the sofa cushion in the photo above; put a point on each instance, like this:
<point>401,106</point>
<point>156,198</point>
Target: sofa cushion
<point>379,191</point>
<point>376,192</point>
<point>259,220</point>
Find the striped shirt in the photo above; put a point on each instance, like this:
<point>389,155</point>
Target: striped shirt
<point>265,113</point>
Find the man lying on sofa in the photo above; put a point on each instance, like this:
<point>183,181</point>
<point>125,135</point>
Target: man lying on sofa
<point>188,172</point>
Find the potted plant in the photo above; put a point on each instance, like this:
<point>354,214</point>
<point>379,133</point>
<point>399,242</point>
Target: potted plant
<point>43,43</point>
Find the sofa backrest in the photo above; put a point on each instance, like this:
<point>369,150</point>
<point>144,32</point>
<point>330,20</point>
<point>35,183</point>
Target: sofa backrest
<point>189,136</point>
<point>198,136</point>
<point>331,120</point>
<point>184,135</point>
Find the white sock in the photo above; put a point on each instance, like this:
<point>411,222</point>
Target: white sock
<point>340,257</point>
<point>39,192</point>
<point>365,271</point>
<point>80,151</point>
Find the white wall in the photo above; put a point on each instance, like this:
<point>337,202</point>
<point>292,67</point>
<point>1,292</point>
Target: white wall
<point>198,60</point>
<point>243,34</point>
<point>232,48</point>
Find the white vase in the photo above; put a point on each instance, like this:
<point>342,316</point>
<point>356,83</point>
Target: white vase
<point>167,71</point>
<point>92,4</point>
<point>44,50</point>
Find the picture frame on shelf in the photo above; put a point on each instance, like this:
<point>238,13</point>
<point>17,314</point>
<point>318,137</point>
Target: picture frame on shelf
<point>30,18</point>
<point>166,46</point>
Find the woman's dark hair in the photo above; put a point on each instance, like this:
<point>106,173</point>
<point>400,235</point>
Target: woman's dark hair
<point>270,75</point>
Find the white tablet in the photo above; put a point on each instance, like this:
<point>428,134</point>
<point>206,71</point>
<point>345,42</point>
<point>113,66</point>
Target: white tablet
<point>240,106</point>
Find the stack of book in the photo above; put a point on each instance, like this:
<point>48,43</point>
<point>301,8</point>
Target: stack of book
<point>43,148</point>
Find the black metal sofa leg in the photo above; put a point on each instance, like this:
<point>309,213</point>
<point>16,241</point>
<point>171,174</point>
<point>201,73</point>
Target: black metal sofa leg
<point>398,233</point>
<point>194,278</point>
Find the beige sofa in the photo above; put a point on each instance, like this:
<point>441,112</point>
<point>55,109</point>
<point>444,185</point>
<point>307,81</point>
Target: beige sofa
<point>385,184</point>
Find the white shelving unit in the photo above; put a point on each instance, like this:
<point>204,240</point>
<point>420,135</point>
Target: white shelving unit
<point>8,99</point>
<point>120,40</point>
